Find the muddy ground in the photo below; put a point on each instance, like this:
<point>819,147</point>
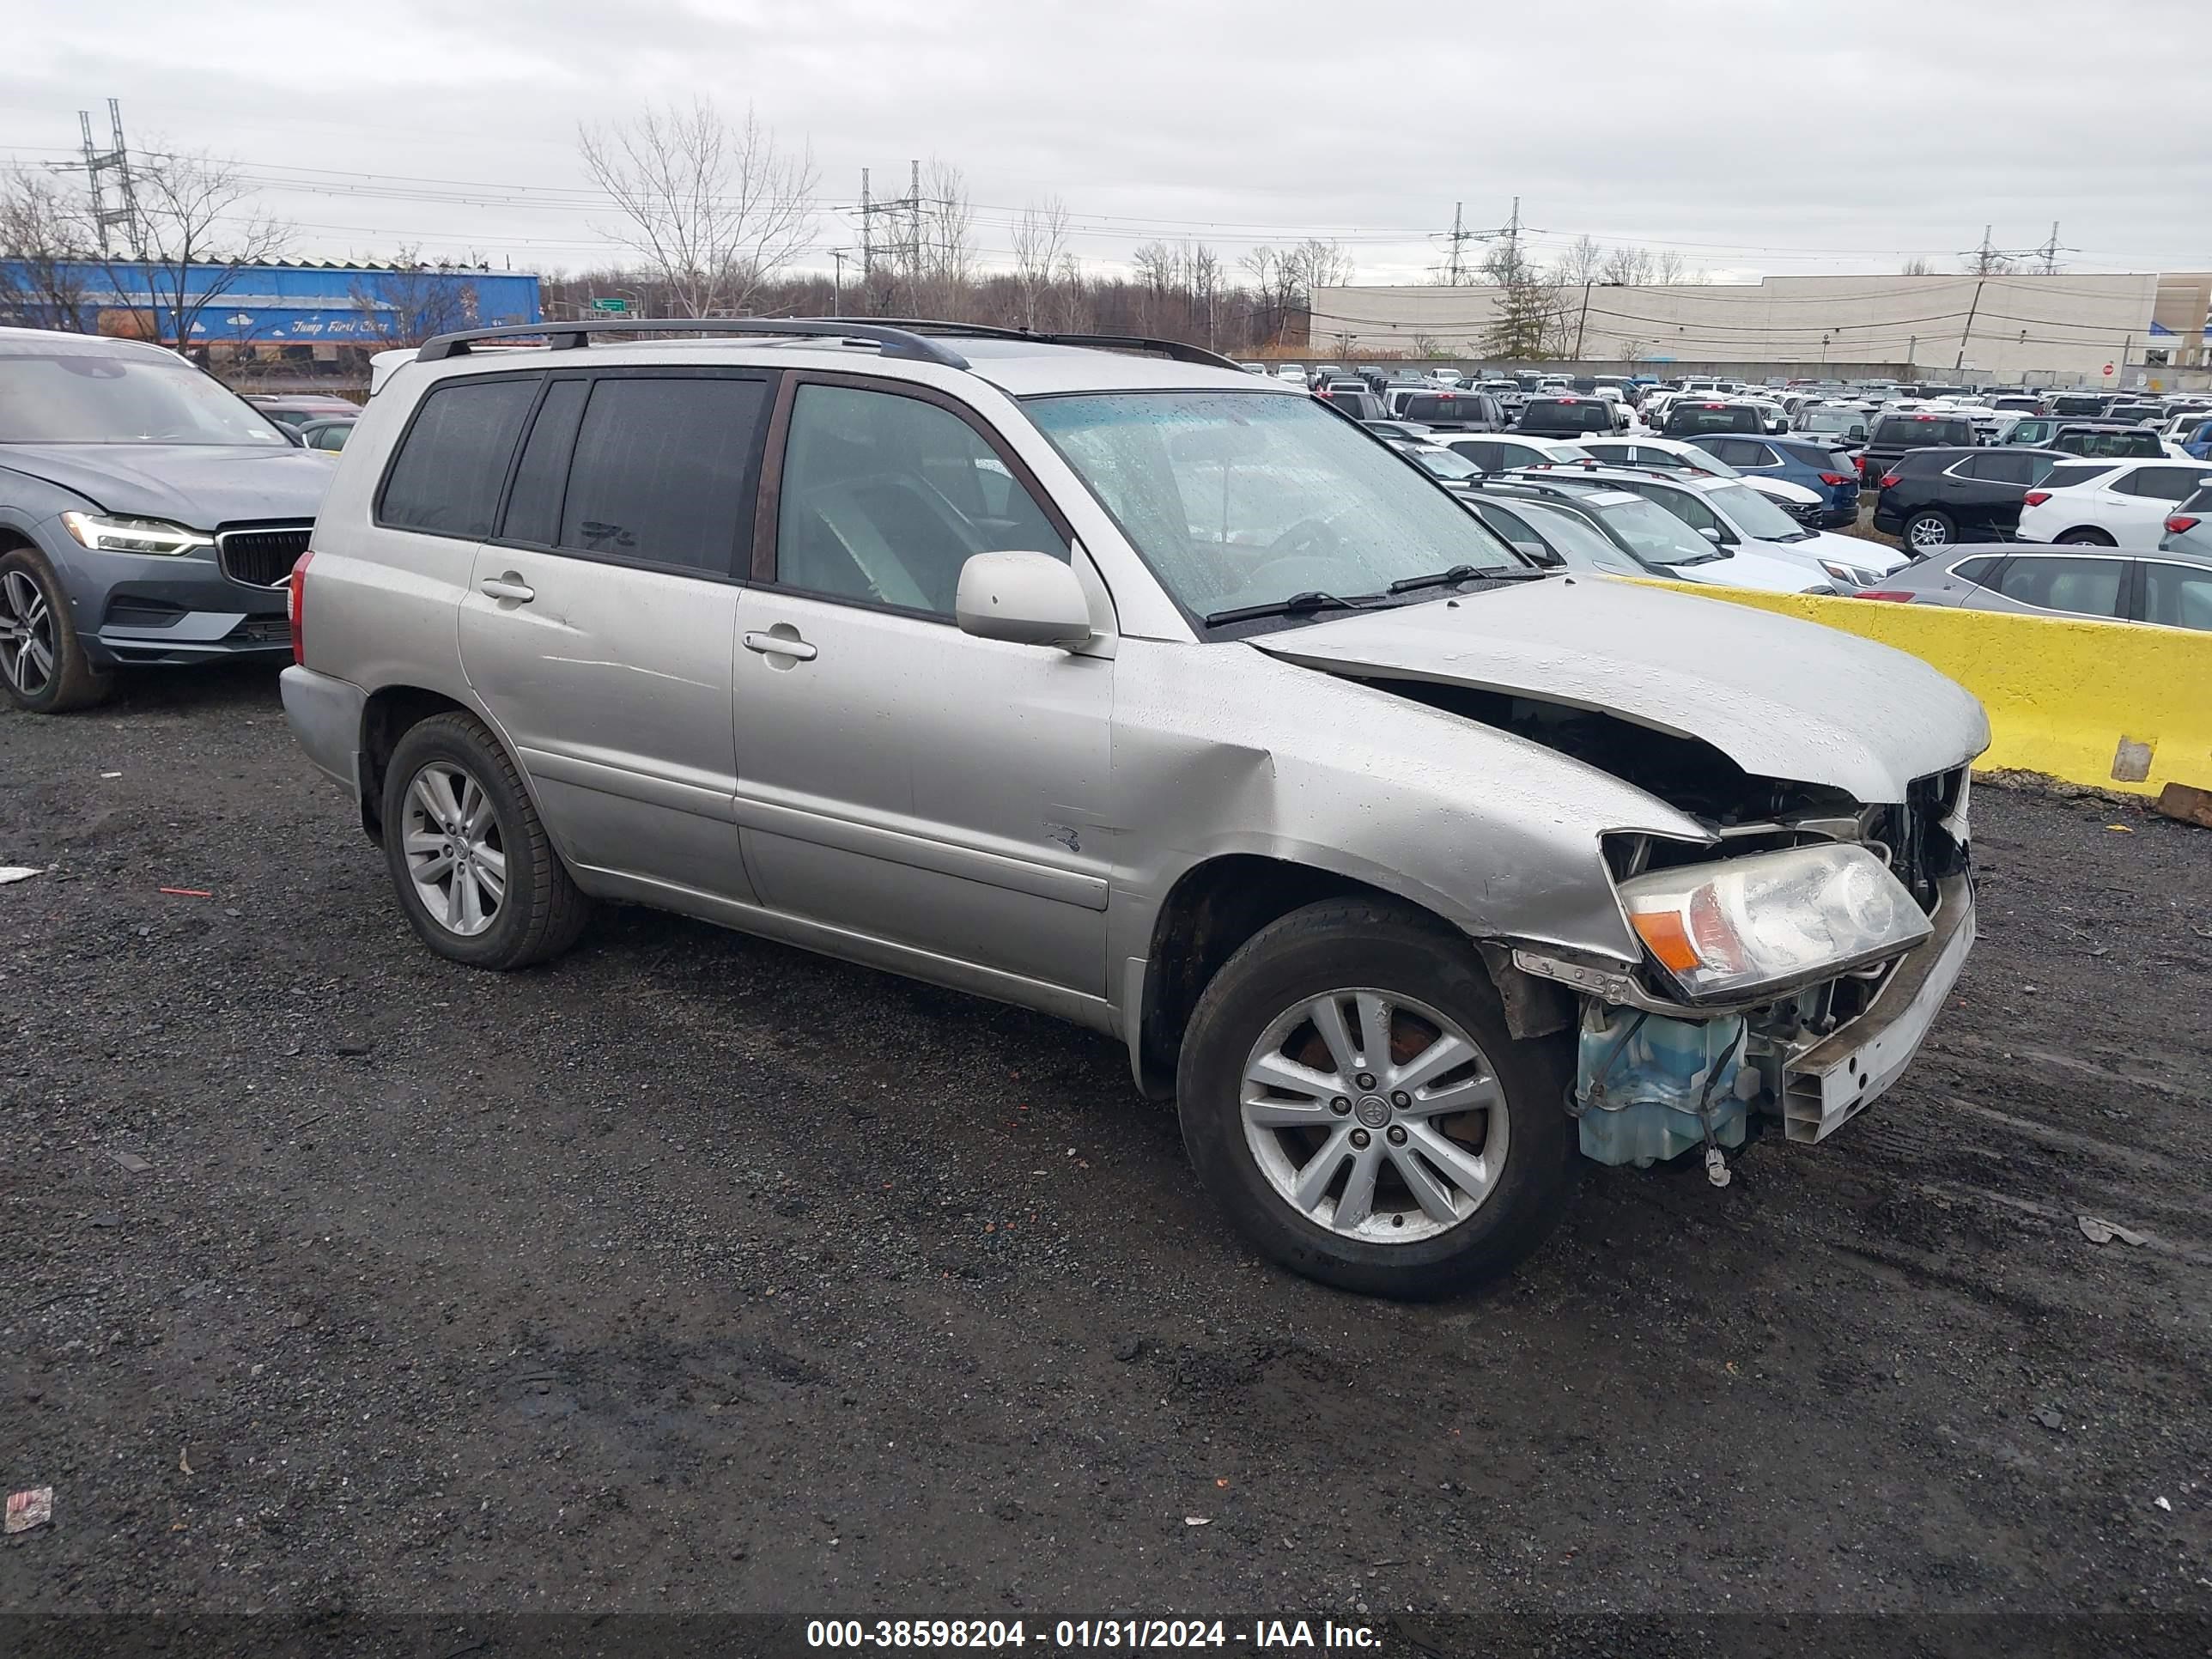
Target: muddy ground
<point>695,1274</point>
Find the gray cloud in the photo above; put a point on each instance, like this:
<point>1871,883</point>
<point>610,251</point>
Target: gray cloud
<point>1754,136</point>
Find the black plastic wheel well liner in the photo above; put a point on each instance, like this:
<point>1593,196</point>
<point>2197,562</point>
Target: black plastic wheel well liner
<point>390,715</point>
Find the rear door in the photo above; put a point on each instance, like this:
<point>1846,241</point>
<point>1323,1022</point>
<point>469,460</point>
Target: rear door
<point>2089,585</point>
<point>2142,499</point>
<point>600,628</point>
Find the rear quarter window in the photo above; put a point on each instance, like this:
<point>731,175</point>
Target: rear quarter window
<point>452,463</point>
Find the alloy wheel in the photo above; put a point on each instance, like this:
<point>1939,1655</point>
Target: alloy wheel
<point>26,634</point>
<point>1374,1116</point>
<point>455,856</point>
<point>1928,533</point>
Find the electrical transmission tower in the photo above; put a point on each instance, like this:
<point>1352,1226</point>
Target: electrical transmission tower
<point>901,242</point>
<point>2050,251</point>
<point>98,166</point>
<point>1456,269</point>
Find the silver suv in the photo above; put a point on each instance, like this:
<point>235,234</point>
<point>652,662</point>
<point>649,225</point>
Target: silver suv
<point>1126,685</point>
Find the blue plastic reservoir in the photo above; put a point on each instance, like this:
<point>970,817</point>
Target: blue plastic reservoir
<point>1640,1078</point>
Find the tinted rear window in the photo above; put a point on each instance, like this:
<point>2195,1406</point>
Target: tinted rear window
<point>452,465</point>
<point>1554,415</point>
<point>1700,417</point>
<point>1913,432</point>
<point>1439,407</point>
<point>660,471</point>
<point>2068,473</point>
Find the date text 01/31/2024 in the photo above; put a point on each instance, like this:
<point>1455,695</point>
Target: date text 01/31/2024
<point>1288,1635</point>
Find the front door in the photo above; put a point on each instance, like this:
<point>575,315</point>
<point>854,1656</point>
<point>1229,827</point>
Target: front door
<point>600,624</point>
<point>897,778</point>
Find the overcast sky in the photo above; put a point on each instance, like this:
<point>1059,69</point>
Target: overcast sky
<point>1775,136</point>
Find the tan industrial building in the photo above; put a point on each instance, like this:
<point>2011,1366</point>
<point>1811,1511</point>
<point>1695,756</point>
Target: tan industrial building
<point>2062,329</point>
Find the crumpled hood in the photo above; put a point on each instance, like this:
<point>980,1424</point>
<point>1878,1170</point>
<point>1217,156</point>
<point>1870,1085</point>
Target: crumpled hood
<point>1780,697</point>
<point>200,486</point>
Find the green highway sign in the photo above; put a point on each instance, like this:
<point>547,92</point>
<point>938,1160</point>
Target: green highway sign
<point>610,305</point>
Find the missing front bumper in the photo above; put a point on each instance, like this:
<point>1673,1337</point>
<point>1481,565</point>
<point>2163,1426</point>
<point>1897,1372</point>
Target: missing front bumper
<point>1829,1081</point>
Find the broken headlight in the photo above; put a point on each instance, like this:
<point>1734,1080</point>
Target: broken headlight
<point>1770,920</point>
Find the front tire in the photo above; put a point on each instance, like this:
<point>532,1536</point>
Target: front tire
<point>43,666</point>
<point>2086,538</point>
<point>1925,532</point>
<point>476,873</point>
<point>1350,1095</point>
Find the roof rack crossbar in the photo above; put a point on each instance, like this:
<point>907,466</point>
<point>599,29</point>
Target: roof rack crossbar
<point>891,341</point>
<point>1179,350</point>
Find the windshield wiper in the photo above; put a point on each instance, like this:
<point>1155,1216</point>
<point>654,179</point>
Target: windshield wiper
<point>1467,573</point>
<point>1298,604</point>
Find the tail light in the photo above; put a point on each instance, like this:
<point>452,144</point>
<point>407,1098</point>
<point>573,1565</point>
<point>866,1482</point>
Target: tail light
<point>1832,479</point>
<point>296,606</point>
<point>1897,594</point>
<point>1889,480</point>
<point>2035,498</point>
<point>2180,522</point>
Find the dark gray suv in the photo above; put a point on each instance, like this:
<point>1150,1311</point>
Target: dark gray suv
<point>147,515</point>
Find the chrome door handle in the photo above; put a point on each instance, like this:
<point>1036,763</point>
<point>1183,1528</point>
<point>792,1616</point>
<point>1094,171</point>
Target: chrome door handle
<point>509,587</point>
<point>780,645</point>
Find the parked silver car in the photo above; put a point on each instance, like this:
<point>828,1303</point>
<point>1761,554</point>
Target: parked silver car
<point>2172,588</point>
<point>1147,693</point>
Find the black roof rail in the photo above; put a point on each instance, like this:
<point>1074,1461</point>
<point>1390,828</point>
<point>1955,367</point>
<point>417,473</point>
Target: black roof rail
<point>1178,350</point>
<point>891,341</point>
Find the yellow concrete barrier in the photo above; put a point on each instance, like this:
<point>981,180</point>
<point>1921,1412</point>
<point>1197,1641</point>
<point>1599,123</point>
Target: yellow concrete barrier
<point>2117,705</point>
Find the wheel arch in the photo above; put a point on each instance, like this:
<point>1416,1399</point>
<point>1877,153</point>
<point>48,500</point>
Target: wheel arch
<point>390,713</point>
<point>1219,902</point>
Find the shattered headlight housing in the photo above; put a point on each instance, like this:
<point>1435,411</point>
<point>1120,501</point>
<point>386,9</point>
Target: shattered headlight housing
<point>104,534</point>
<point>1771,921</point>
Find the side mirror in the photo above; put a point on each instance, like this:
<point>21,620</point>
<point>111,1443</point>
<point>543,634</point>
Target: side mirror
<point>1712,533</point>
<point>1029,599</point>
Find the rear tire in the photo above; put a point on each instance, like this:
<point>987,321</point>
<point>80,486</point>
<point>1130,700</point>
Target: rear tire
<point>43,666</point>
<point>1452,1197</point>
<point>476,873</point>
<point>1925,532</point>
<point>2086,538</point>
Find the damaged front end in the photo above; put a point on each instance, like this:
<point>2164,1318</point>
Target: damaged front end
<point>1791,969</point>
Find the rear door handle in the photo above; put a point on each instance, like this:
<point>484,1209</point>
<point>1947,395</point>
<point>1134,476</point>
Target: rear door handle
<point>780,645</point>
<point>509,587</point>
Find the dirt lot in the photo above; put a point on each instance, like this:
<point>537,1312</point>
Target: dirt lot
<point>697,1273</point>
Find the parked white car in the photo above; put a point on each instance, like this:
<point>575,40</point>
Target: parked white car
<point>2108,504</point>
<point>1732,515</point>
<point>1505,452</point>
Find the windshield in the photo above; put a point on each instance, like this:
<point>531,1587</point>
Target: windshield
<point>55,394</point>
<point>1657,535</point>
<point>1582,545</point>
<point>1240,499</point>
<point>1444,462</point>
<point>1755,515</point>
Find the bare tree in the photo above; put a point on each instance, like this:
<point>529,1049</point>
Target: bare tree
<point>1666,266</point>
<point>1581,263</point>
<point>1626,267</point>
<point>1918,266</point>
<point>1040,253</point>
<point>193,234</point>
<point>410,302</point>
<point>42,282</point>
<point>718,212</point>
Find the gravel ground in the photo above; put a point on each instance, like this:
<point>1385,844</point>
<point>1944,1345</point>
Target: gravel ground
<point>693,1272</point>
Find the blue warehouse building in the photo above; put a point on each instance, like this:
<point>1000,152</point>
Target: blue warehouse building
<point>289,310</point>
